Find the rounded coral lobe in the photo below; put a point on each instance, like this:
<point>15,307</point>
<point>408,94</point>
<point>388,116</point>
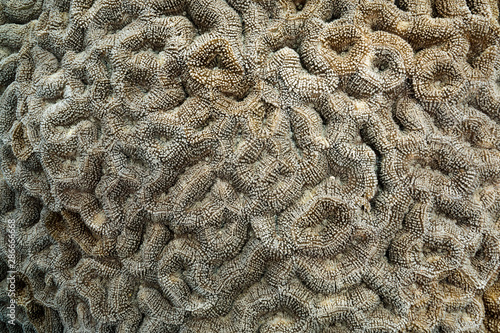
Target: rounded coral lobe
<point>229,166</point>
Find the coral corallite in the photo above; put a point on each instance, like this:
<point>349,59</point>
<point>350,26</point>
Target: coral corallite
<point>238,166</point>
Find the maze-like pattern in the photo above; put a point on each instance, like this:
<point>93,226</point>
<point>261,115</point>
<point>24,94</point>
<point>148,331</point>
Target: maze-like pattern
<point>251,165</point>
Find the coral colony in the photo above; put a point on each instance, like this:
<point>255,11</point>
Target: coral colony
<point>234,166</point>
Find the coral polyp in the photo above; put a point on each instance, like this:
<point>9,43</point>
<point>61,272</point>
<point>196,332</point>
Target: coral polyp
<point>249,166</point>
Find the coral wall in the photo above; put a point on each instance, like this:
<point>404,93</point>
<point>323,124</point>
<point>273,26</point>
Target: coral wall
<point>250,165</point>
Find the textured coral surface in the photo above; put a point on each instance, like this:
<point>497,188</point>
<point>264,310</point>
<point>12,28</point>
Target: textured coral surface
<point>251,165</point>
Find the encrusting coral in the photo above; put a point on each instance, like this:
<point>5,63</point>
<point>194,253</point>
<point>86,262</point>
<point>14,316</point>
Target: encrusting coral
<point>250,165</point>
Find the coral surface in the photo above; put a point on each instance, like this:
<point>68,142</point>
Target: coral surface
<point>250,165</point>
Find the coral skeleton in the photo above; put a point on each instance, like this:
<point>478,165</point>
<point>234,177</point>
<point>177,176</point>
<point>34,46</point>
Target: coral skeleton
<point>238,166</point>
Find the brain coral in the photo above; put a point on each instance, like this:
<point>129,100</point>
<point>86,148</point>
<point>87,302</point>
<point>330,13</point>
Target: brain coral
<point>250,165</point>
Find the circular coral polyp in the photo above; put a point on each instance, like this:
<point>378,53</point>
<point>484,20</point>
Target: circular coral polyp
<point>386,67</point>
<point>383,71</point>
<point>344,47</point>
<point>438,78</point>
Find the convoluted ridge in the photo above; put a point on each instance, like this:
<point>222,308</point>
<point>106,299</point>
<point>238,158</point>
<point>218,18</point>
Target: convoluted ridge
<point>250,165</point>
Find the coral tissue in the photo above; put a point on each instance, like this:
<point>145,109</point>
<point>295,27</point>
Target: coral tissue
<point>250,166</point>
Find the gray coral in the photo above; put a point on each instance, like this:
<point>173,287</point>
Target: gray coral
<point>251,165</point>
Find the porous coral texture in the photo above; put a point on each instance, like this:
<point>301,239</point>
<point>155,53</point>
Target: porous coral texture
<point>251,165</point>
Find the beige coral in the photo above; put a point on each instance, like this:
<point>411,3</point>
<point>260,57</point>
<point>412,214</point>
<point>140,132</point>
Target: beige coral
<point>251,165</point>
